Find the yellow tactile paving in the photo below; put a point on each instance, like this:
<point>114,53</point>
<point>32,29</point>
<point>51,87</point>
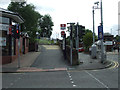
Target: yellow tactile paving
<point>51,46</point>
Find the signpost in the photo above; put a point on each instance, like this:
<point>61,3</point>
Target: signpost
<point>63,27</point>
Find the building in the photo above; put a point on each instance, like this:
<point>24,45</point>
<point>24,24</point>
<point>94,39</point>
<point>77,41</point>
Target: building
<point>108,39</point>
<point>8,44</point>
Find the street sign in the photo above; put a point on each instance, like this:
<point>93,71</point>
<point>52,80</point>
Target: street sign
<point>100,32</point>
<point>62,26</point>
<point>62,33</point>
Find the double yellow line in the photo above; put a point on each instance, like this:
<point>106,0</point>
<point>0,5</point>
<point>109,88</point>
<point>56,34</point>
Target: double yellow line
<point>116,65</point>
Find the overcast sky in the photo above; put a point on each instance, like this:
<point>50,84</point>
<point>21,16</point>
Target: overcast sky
<point>65,11</point>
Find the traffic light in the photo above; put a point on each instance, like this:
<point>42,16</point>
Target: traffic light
<point>17,31</point>
<point>13,31</point>
<point>81,30</point>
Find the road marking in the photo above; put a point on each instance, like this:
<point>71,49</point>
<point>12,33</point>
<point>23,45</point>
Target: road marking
<point>69,76</point>
<point>115,66</point>
<point>74,85</point>
<point>97,79</point>
<point>71,80</point>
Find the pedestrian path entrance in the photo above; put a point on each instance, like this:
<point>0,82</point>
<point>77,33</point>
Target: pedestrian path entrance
<point>51,57</point>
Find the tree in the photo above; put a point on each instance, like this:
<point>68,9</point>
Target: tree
<point>88,40</point>
<point>87,30</point>
<point>30,16</point>
<point>46,26</point>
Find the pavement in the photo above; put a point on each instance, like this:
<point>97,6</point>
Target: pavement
<point>28,59</point>
<point>87,63</point>
<point>25,61</point>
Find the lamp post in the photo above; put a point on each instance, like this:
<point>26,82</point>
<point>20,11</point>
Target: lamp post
<point>102,50</point>
<point>94,20</point>
<point>93,27</point>
<point>101,10</point>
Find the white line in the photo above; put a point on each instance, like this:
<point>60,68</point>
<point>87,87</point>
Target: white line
<point>97,79</point>
<point>74,85</point>
<point>70,79</point>
<point>72,82</point>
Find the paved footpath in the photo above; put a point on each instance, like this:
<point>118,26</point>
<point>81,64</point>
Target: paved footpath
<point>25,61</point>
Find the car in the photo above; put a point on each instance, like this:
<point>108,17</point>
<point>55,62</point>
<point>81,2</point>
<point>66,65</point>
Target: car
<point>81,49</point>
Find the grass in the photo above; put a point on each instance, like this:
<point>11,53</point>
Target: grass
<point>45,41</point>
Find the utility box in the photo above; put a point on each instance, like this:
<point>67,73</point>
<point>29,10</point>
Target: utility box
<point>94,51</point>
<point>98,53</point>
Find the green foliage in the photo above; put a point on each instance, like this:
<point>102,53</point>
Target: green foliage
<point>88,40</point>
<point>117,38</point>
<point>33,21</point>
<point>44,41</point>
<point>46,26</point>
<point>88,31</point>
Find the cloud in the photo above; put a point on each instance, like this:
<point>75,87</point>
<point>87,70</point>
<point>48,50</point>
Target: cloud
<point>3,2</point>
<point>44,9</point>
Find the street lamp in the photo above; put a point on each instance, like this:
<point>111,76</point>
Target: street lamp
<point>94,20</point>
<point>102,49</point>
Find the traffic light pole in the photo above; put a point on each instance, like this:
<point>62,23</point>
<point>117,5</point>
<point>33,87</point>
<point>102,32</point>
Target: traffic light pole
<point>18,53</point>
<point>77,43</point>
<point>71,41</point>
<point>18,37</point>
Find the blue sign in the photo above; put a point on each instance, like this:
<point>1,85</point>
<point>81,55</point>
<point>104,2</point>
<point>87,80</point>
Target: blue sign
<point>100,32</point>
<point>17,26</point>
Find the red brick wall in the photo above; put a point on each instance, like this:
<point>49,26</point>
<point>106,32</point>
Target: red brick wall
<point>26,48</point>
<point>6,59</point>
<point>9,59</point>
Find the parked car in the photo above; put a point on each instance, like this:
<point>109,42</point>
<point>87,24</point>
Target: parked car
<point>81,49</point>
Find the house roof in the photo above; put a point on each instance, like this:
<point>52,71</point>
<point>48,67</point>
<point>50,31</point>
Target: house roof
<point>15,16</point>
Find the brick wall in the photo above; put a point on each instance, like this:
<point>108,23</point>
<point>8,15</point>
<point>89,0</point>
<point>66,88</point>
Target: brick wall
<point>9,59</point>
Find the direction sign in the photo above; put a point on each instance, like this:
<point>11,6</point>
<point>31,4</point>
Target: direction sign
<point>62,26</point>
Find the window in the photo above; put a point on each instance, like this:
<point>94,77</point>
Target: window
<point>4,20</point>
